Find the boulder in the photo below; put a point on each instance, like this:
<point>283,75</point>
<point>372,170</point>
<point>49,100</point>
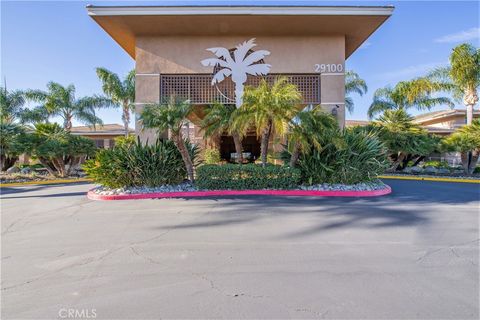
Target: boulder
<point>416,170</point>
<point>13,170</point>
<point>407,170</point>
<point>430,170</point>
<point>443,171</point>
<point>26,170</point>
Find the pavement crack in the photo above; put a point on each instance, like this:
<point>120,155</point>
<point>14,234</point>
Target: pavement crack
<point>136,252</point>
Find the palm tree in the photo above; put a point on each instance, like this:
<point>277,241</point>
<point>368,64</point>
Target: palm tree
<point>306,131</point>
<point>404,139</point>
<point>462,77</point>
<point>171,115</point>
<point>268,108</point>
<point>466,141</point>
<point>121,92</point>
<point>60,101</point>
<point>353,84</point>
<point>11,105</point>
<point>218,119</point>
<point>405,95</point>
<point>243,62</point>
<point>9,132</point>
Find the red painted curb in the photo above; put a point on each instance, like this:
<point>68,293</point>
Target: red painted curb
<point>191,194</point>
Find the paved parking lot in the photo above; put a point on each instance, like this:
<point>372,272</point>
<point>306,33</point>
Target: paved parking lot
<point>412,254</point>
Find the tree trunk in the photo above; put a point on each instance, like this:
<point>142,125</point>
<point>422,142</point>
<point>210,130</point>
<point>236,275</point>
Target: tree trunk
<point>182,148</point>
<point>464,156</point>
<point>126,118</point>
<point>264,142</point>
<point>469,114</point>
<point>238,147</point>
<point>473,161</point>
<point>295,155</point>
<point>7,162</point>
<point>397,162</point>
<point>67,123</point>
<point>74,161</point>
<point>419,159</point>
<point>59,165</point>
<point>470,98</point>
<point>45,163</point>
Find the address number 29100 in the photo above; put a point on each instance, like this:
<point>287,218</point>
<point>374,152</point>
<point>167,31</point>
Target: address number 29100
<point>327,67</point>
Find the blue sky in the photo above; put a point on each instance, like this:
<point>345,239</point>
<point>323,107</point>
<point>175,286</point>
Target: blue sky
<point>43,41</point>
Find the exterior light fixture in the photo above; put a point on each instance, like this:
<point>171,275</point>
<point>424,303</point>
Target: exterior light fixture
<point>334,111</point>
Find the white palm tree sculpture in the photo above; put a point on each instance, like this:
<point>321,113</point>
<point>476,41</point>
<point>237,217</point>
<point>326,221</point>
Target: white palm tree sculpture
<point>244,62</point>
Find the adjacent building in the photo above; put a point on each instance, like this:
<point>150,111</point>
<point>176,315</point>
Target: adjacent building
<point>444,122</point>
<point>209,53</point>
<point>103,135</point>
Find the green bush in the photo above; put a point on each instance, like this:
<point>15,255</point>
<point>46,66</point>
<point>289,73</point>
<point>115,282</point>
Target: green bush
<point>436,164</point>
<point>137,164</point>
<point>248,176</point>
<point>55,148</point>
<point>349,157</point>
<point>477,169</point>
<point>212,156</point>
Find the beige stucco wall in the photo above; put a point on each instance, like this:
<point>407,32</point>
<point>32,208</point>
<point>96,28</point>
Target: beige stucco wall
<point>155,55</point>
<point>452,122</point>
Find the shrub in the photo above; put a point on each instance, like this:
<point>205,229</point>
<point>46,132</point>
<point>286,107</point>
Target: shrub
<point>465,140</point>
<point>212,156</point>
<point>248,176</point>
<point>436,164</point>
<point>9,134</point>
<point>350,157</point>
<point>56,149</point>
<point>137,164</point>
<point>404,139</point>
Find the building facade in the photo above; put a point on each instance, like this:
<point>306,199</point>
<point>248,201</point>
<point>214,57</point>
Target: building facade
<point>103,135</point>
<point>175,47</point>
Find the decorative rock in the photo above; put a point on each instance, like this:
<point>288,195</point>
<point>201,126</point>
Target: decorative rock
<point>13,170</point>
<point>187,186</point>
<point>416,170</point>
<point>443,171</point>
<point>407,170</point>
<point>26,170</point>
<point>430,170</point>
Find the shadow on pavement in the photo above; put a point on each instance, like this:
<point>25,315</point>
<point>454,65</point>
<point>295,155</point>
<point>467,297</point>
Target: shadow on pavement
<point>52,189</point>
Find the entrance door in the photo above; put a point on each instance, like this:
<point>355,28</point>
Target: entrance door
<point>250,144</point>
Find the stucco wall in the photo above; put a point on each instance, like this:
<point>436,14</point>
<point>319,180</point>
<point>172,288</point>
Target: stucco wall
<point>155,55</point>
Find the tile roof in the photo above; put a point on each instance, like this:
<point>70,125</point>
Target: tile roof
<point>100,129</point>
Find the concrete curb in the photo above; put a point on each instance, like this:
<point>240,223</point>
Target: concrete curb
<point>28,183</point>
<point>195,194</point>
<point>443,179</point>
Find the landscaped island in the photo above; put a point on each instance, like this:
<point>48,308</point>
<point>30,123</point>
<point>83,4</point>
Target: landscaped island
<point>318,157</point>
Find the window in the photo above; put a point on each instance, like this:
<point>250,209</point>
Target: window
<point>99,143</point>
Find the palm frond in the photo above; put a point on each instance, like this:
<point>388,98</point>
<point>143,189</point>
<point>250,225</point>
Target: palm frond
<point>243,49</point>
<point>255,56</point>
<point>221,53</point>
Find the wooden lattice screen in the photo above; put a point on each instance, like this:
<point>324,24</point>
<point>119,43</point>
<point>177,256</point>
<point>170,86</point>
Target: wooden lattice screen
<point>199,90</point>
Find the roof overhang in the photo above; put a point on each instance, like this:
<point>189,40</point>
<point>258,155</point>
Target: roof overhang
<point>125,23</point>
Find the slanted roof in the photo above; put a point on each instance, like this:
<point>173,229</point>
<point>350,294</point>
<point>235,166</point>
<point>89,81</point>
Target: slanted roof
<point>106,129</point>
<point>354,123</point>
<point>125,23</point>
<point>438,115</point>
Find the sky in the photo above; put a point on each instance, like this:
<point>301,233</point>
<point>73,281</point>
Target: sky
<point>57,41</point>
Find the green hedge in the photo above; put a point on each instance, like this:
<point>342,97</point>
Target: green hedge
<point>247,176</point>
<point>136,164</point>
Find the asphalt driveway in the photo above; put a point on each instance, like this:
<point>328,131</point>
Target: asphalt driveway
<point>412,254</point>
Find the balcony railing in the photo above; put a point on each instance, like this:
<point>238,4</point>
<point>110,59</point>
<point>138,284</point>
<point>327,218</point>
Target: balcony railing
<point>199,90</point>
